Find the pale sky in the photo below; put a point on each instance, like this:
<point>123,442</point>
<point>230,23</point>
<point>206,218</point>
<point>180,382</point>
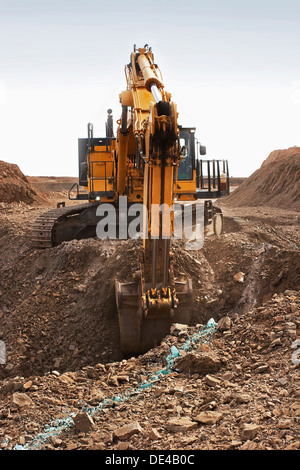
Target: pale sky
<point>231,66</point>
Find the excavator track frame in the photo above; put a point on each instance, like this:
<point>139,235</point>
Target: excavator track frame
<point>48,228</point>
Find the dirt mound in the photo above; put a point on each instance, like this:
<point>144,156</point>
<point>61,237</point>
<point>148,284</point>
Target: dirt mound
<point>280,155</point>
<point>276,183</point>
<point>67,294</point>
<point>15,187</point>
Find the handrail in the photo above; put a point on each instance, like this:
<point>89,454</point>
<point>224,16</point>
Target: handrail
<point>211,181</point>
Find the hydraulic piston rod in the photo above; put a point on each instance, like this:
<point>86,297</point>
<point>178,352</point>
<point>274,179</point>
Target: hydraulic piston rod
<point>155,92</point>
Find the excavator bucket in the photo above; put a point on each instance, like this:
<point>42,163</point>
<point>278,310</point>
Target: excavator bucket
<point>141,331</point>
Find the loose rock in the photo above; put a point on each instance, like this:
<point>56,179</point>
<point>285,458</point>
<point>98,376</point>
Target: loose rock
<point>249,431</point>
<point>208,417</point>
<point>125,432</point>
<point>20,401</point>
<point>83,422</point>
<point>180,425</point>
<point>200,362</point>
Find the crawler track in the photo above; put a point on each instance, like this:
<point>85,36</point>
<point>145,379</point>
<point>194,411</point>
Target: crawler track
<point>45,229</point>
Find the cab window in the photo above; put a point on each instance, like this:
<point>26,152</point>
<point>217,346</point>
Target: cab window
<point>185,169</point>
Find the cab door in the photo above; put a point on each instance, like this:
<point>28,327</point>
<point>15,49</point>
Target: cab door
<point>185,187</point>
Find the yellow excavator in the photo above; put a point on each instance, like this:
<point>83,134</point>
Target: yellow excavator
<point>154,163</point>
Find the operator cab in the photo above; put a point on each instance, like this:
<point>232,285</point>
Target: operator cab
<point>198,178</point>
<point>187,145</point>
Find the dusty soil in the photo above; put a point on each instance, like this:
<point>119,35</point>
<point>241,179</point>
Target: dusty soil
<point>65,384</point>
<point>15,186</point>
<point>275,184</point>
<point>230,383</point>
<point>48,184</point>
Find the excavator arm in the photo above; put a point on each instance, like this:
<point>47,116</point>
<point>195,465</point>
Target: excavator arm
<point>153,124</point>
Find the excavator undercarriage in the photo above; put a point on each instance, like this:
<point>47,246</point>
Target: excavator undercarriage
<point>152,164</point>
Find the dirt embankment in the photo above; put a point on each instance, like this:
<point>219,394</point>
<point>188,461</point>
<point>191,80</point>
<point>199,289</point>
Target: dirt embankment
<point>15,187</point>
<point>275,184</point>
<point>48,184</point>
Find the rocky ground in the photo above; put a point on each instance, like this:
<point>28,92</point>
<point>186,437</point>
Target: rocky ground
<point>233,384</point>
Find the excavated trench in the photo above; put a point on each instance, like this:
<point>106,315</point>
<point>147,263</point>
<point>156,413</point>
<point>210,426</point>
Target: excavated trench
<point>57,306</point>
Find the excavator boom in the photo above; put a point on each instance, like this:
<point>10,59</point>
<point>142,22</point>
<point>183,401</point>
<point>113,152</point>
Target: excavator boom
<point>152,162</point>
